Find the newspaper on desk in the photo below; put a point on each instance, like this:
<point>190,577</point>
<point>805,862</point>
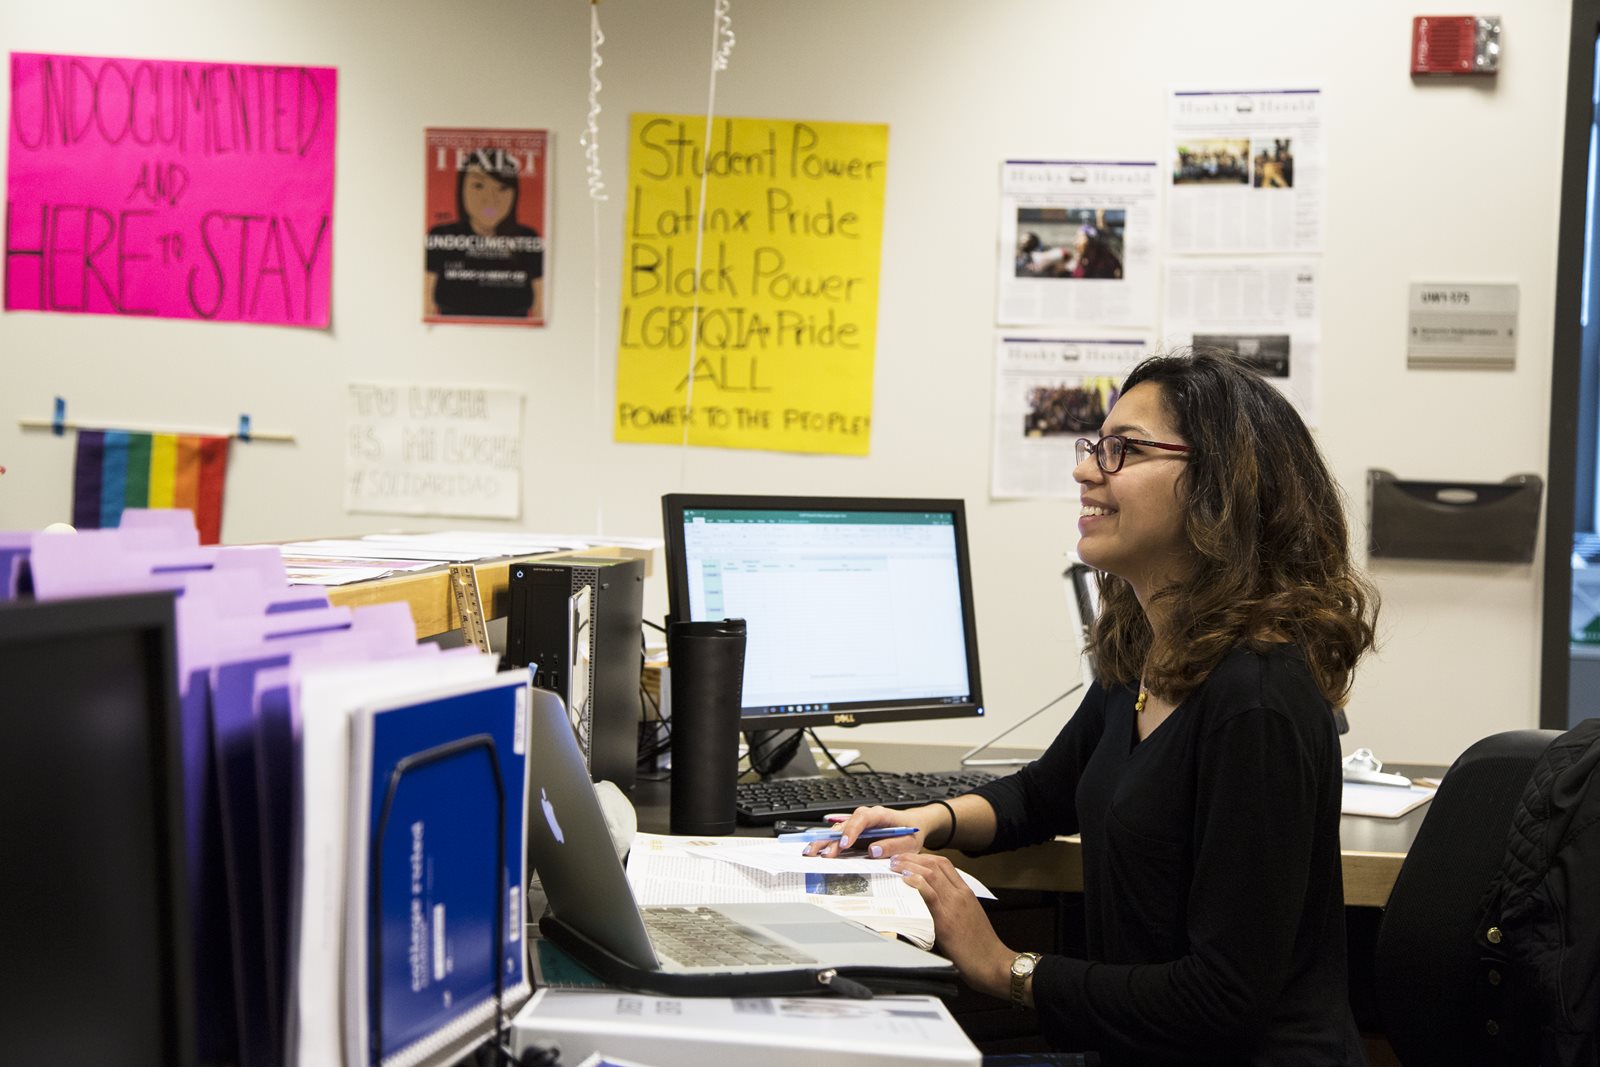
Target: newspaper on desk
<point>666,870</point>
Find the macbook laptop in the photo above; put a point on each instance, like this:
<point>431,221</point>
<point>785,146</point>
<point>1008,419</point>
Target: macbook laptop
<point>759,949</point>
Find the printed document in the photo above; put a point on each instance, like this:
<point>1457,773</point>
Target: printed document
<point>1246,171</point>
<point>1048,392</point>
<point>1078,243</point>
<point>667,870</point>
<point>1261,309</point>
<point>787,857</point>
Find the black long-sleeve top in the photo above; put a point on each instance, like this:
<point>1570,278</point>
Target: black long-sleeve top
<point>1212,883</point>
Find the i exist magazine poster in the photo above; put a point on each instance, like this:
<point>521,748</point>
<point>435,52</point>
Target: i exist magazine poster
<point>487,226</point>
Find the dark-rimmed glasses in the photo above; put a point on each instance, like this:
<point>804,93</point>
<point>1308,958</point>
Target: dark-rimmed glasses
<point>1112,449</point>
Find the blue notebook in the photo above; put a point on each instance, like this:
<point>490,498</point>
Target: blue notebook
<point>434,948</point>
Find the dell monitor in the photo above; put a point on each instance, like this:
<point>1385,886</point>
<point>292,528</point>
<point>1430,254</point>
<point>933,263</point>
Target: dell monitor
<point>96,949</point>
<point>858,610</point>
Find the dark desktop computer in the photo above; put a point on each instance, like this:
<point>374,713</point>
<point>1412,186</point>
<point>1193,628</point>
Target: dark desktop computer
<point>575,620</point>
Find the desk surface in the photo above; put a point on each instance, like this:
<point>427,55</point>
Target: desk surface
<point>1373,849</point>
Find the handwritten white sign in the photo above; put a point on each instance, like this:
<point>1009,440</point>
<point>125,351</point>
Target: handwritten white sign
<point>434,450</point>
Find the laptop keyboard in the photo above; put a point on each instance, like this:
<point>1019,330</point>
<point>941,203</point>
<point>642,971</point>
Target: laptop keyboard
<point>812,797</point>
<point>701,937</point>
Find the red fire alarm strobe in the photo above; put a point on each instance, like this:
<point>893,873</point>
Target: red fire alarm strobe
<point>1455,44</point>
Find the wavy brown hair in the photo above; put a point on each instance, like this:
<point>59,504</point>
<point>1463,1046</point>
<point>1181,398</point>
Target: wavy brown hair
<point>1269,545</point>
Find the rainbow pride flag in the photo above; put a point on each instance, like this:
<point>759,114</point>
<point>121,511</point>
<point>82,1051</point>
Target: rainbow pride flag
<point>117,469</point>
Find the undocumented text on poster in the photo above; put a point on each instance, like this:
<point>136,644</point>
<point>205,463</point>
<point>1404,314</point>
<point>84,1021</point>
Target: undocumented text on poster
<point>178,190</point>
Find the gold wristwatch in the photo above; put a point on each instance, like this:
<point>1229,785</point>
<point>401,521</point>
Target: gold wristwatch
<point>1021,970</point>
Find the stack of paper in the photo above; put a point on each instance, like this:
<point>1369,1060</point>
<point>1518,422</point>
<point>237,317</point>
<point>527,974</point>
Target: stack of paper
<point>339,561</point>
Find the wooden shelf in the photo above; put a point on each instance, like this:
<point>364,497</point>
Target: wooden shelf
<point>433,604</point>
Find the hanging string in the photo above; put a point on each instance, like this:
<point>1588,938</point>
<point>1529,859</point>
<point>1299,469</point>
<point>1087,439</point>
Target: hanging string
<point>721,49</point>
<point>724,32</point>
<point>591,134</point>
<point>591,154</point>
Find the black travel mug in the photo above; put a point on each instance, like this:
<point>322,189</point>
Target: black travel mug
<point>707,662</point>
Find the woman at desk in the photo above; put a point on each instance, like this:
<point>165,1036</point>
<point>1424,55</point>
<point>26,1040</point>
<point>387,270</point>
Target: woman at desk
<point>1202,768</point>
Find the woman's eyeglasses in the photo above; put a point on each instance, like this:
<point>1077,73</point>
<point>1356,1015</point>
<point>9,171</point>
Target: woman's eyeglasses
<point>1112,449</point>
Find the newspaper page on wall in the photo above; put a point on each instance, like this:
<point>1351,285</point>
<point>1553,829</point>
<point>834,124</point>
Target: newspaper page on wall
<point>1263,310</point>
<point>1247,171</point>
<point>1048,392</point>
<point>1078,243</point>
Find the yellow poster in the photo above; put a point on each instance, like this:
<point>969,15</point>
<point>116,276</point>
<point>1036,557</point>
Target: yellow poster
<point>781,311</point>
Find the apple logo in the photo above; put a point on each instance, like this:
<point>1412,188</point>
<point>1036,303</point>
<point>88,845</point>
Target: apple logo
<point>550,816</point>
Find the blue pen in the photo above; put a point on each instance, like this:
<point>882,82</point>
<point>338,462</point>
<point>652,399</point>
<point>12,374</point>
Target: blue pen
<point>875,834</point>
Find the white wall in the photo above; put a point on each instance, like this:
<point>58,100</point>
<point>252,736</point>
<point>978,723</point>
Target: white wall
<point>1426,182</point>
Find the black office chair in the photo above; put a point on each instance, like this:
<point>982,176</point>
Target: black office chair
<point>1426,965</point>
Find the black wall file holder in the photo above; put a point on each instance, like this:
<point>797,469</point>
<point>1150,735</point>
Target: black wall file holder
<point>1483,522</point>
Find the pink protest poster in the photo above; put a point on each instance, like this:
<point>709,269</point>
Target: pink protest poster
<point>178,190</point>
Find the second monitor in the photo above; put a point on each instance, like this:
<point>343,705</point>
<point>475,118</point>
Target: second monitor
<point>858,609</point>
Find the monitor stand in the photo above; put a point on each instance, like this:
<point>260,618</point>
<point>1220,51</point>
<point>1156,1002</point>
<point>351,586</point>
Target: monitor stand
<point>767,753</point>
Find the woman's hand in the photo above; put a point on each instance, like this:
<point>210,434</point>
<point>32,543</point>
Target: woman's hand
<point>849,827</point>
<point>961,930</point>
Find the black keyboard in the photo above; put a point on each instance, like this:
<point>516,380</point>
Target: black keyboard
<point>812,797</point>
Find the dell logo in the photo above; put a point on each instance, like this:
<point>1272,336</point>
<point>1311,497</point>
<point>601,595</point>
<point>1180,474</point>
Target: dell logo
<point>844,718</point>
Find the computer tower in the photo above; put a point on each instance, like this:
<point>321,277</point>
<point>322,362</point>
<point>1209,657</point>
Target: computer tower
<point>589,653</point>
